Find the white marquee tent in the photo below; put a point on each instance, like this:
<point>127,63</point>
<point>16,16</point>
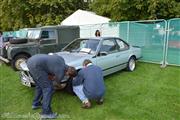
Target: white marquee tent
<point>81,17</point>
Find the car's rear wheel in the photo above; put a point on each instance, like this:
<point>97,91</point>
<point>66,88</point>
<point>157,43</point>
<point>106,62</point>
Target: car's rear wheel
<point>15,63</point>
<point>131,64</point>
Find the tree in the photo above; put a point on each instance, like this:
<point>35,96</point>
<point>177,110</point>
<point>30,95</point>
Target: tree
<point>119,10</point>
<point>15,14</point>
<point>12,14</point>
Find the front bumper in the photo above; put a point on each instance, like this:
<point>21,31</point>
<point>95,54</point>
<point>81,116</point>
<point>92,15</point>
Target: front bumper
<point>26,79</point>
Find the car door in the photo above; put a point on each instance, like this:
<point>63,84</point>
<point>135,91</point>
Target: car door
<point>123,54</point>
<point>48,41</point>
<point>106,57</point>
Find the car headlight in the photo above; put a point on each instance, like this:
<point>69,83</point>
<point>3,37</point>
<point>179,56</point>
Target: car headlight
<point>23,66</point>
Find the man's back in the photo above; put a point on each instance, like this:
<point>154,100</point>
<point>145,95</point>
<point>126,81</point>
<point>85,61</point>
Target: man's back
<point>93,81</point>
<point>51,64</point>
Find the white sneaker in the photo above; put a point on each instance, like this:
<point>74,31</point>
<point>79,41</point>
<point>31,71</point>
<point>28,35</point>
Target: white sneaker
<point>49,116</point>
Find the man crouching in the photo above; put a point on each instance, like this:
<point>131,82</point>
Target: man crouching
<point>89,84</point>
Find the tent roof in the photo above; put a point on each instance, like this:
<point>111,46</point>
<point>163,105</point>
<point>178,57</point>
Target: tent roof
<point>81,17</point>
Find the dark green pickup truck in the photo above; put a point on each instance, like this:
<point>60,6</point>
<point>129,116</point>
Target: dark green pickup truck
<point>39,40</point>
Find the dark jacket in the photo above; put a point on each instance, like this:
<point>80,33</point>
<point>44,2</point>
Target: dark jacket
<point>92,79</point>
<point>41,65</point>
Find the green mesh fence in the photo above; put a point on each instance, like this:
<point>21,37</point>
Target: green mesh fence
<point>151,35</point>
<point>9,34</point>
<point>20,33</point>
<point>173,46</point>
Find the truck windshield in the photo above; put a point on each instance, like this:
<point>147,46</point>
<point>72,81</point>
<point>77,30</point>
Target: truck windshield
<point>83,45</point>
<point>33,34</point>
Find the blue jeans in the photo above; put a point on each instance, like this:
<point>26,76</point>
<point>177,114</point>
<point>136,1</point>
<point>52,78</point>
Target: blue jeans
<point>44,95</point>
<point>78,90</point>
<point>44,88</point>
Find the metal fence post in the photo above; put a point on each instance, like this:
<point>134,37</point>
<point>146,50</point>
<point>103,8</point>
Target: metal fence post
<point>128,30</point>
<point>164,63</point>
<point>168,44</point>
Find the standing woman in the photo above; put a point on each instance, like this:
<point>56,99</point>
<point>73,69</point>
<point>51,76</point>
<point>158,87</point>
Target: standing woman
<point>98,33</point>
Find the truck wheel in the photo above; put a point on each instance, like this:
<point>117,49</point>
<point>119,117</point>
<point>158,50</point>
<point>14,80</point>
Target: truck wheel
<point>15,63</point>
<point>131,64</point>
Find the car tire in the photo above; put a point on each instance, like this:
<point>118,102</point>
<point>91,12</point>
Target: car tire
<point>18,41</point>
<point>131,64</point>
<point>69,87</point>
<point>58,86</point>
<point>15,63</point>
<point>33,85</point>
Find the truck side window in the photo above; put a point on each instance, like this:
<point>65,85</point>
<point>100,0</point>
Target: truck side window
<point>48,34</point>
<point>44,34</point>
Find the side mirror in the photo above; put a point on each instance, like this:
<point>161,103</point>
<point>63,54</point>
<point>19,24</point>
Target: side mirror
<point>102,53</point>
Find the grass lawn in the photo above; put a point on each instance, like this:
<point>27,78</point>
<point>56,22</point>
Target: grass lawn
<point>148,93</point>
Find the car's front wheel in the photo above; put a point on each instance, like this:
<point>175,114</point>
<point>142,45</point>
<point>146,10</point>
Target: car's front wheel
<point>66,86</point>
<point>131,64</point>
<point>58,86</point>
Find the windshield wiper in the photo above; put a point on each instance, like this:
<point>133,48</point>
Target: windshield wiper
<point>73,51</point>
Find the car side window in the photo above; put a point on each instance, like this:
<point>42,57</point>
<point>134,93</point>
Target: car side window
<point>122,45</point>
<point>109,46</point>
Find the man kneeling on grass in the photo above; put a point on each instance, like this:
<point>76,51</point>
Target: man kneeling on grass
<point>89,84</point>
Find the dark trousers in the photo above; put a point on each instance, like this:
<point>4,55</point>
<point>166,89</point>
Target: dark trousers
<point>43,96</point>
<point>44,89</point>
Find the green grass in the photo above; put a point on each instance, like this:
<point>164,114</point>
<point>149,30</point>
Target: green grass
<point>148,93</point>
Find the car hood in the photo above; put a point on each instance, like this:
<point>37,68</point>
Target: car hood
<point>23,44</point>
<point>74,59</point>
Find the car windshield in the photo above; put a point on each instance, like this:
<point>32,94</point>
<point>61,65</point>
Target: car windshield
<point>83,45</point>
<point>33,34</point>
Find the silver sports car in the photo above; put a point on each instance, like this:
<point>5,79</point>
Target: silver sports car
<point>110,53</point>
